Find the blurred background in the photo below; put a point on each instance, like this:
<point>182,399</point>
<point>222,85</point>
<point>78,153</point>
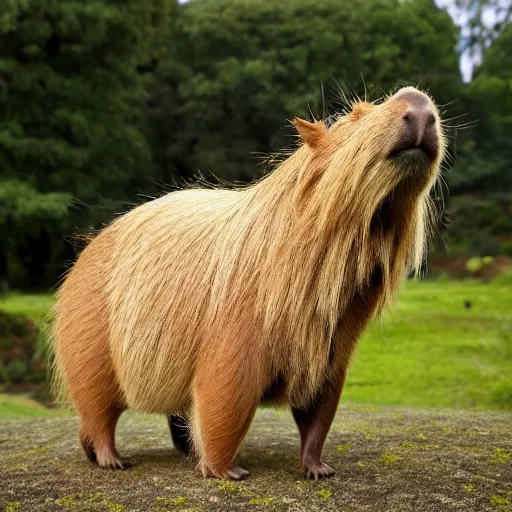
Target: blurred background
<point>107,103</point>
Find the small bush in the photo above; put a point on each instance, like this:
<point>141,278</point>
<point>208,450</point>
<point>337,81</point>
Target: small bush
<point>502,394</point>
<point>16,371</point>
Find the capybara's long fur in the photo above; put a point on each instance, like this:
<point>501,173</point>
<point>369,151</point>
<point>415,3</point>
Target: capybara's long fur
<point>202,302</point>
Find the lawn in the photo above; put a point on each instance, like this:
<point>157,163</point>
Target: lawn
<point>33,305</point>
<point>429,350</point>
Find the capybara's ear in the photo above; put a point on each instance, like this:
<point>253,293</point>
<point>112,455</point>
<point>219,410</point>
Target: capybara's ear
<point>310,133</point>
<point>360,109</point>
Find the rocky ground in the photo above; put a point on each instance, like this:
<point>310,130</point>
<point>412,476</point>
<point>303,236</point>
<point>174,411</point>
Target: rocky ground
<point>387,459</point>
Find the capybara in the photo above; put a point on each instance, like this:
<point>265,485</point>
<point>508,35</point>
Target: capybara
<point>203,303</point>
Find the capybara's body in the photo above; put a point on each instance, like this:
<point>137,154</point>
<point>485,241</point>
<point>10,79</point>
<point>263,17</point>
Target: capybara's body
<point>203,303</point>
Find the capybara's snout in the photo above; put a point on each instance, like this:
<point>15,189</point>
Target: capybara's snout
<point>418,131</point>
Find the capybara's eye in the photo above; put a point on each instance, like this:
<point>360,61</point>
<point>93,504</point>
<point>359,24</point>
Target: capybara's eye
<point>360,109</point>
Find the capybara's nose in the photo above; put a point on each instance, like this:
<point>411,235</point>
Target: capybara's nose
<point>418,129</point>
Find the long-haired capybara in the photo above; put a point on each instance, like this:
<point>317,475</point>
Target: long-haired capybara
<point>203,303</point>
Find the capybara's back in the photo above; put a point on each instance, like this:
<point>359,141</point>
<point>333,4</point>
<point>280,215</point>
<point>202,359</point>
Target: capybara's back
<point>203,303</point>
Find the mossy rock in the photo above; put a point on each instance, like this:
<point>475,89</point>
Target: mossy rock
<point>414,460</point>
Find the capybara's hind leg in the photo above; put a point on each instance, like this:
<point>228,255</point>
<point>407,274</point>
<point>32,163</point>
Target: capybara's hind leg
<point>83,353</point>
<point>179,427</point>
<point>97,436</point>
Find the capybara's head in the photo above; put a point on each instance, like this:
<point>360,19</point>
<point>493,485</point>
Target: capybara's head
<point>378,149</point>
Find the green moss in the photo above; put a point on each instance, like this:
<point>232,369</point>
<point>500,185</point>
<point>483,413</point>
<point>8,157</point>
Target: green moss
<point>65,501</point>
<point>98,496</point>
<point>469,488</point>
<point>262,501</point>
<point>500,456</point>
<point>406,445</point>
<point>325,493</point>
<point>343,448</point>
<point>19,467</point>
<point>73,500</point>
<point>502,503</point>
<point>228,487</point>
<point>179,500</point>
<point>13,506</point>
<point>389,458</point>
<point>364,408</point>
<point>41,450</point>
<point>445,429</point>
<point>116,507</point>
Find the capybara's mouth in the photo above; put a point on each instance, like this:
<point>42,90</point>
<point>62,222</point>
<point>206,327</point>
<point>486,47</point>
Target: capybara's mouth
<point>413,156</point>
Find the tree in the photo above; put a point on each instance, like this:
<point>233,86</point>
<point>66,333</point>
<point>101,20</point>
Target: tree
<point>71,105</point>
<point>481,180</point>
<point>238,69</point>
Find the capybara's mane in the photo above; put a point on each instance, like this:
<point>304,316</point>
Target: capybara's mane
<point>299,245</point>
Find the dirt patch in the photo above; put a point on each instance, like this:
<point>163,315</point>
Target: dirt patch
<point>386,459</point>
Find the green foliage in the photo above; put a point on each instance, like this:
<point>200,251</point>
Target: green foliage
<point>71,99</point>
<point>104,102</point>
<point>482,172</point>
<point>239,68</point>
<point>18,343</point>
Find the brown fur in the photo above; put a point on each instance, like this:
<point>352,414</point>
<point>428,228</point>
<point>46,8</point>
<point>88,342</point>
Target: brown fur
<point>202,302</point>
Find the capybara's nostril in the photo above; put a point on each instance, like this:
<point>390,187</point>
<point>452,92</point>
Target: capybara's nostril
<point>418,129</point>
<point>418,123</point>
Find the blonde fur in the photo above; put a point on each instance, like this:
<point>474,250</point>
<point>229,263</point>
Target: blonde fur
<point>198,301</point>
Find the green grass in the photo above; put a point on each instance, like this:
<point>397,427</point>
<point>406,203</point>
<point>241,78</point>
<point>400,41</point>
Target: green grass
<point>429,350</point>
<point>426,351</point>
<point>33,305</point>
<point>18,406</point>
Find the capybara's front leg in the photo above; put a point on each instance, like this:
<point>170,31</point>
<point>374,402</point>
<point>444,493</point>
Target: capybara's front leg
<point>314,423</point>
<point>225,400</point>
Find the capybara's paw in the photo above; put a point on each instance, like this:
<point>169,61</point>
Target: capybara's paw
<point>315,470</point>
<point>236,473</point>
<point>106,459</point>
<point>231,473</point>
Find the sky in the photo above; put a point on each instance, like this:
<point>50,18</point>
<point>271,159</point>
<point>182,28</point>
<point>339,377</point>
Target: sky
<point>461,18</point>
